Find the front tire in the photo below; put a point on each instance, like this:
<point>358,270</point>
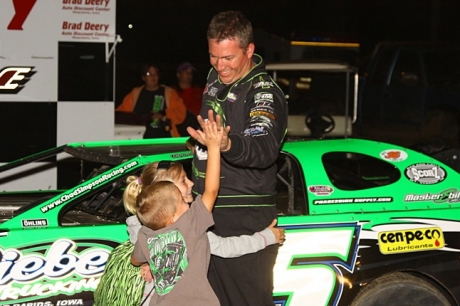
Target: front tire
<point>400,289</point>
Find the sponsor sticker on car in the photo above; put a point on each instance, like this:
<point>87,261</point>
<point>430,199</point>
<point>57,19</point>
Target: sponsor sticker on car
<point>393,155</point>
<point>412,240</point>
<point>425,174</point>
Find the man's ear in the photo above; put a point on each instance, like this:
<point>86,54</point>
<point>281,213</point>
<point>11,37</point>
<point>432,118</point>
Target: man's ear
<point>250,50</point>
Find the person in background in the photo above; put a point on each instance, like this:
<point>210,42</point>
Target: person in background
<point>190,93</point>
<point>158,106</point>
<point>241,91</point>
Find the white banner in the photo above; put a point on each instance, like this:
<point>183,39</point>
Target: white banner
<point>87,20</point>
<point>30,32</point>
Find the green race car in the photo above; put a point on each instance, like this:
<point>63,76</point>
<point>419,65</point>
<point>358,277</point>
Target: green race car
<point>367,223</point>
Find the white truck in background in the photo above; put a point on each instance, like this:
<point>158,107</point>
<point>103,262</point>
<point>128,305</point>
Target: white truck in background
<point>322,97</point>
<point>57,72</point>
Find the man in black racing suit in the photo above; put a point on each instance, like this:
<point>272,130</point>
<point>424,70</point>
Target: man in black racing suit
<point>241,91</point>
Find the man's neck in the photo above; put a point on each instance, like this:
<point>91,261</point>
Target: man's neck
<point>151,88</point>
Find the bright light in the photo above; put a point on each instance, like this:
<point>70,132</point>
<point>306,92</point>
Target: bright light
<point>130,26</point>
<point>325,44</point>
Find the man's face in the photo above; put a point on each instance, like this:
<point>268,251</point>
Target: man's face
<point>229,59</point>
<point>185,76</point>
<point>151,78</point>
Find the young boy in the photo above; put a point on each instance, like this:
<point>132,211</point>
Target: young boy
<point>173,239</point>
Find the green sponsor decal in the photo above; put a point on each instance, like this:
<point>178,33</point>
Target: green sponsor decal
<point>42,270</point>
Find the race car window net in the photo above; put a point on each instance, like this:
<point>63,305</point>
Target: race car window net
<point>355,171</point>
<point>104,205</point>
<point>290,199</point>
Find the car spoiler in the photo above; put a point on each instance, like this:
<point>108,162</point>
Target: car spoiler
<point>32,158</point>
<point>113,154</point>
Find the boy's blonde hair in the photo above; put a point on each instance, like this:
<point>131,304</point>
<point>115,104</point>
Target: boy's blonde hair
<point>149,174</point>
<point>157,203</point>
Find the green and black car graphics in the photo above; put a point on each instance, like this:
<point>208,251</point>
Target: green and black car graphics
<point>367,223</point>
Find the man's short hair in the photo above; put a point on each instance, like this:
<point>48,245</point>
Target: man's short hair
<point>231,25</point>
<point>184,66</point>
<point>145,68</point>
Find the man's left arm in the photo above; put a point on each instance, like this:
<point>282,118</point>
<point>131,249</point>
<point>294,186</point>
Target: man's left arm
<point>264,129</point>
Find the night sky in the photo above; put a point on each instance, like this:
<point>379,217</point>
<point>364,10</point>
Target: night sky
<point>171,31</point>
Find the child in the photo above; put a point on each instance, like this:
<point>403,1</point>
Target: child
<point>174,171</point>
<point>173,239</point>
<point>114,291</point>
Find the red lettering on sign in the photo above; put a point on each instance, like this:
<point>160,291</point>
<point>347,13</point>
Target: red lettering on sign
<point>22,9</point>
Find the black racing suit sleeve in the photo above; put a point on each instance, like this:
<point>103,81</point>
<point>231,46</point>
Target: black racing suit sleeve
<point>265,127</point>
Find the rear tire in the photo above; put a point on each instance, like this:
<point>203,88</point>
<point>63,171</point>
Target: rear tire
<point>400,289</point>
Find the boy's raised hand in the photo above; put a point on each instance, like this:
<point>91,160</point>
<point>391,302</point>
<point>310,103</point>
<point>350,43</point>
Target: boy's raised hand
<point>199,135</point>
<point>212,131</point>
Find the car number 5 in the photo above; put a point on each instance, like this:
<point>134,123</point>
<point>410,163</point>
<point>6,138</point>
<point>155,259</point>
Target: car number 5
<point>307,267</point>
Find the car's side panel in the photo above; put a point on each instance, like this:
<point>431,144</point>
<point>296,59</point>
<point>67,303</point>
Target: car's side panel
<point>54,265</point>
<point>327,259</point>
<point>310,264</point>
<point>47,258</point>
<point>338,239</point>
<point>411,223</point>
<point>409,192</point>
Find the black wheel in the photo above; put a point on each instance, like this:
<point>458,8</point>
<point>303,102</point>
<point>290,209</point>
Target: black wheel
<point>319,124</point>
<point>400,289</point>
